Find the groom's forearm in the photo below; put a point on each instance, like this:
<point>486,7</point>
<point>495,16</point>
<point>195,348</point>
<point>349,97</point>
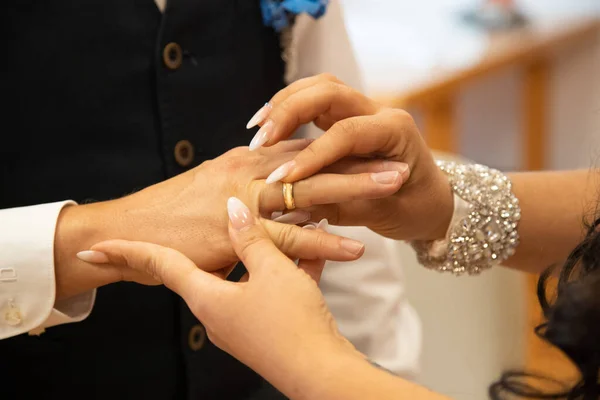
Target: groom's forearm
<point>77,229</point>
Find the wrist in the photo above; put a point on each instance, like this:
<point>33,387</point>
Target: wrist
<point>309,373</point>
<point>444,208</point>
<point>78,228</point>
<point>331,374</point>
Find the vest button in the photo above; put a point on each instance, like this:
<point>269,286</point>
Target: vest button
<point>197,337</point>
<point>172,55</point>
<point>184,153</point>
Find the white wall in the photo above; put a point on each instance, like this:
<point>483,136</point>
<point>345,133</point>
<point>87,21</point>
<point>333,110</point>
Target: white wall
<point>473,327</point>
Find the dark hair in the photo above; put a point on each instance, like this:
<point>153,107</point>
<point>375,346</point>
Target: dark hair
<point>572,325</point>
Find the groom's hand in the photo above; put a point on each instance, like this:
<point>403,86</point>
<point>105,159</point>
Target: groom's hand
<point>187,213</point>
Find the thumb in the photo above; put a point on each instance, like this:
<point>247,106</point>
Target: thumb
<point>250,241</point>
<point>166,265</point>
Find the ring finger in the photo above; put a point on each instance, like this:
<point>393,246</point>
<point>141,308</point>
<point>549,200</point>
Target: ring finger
<point>333,188</point>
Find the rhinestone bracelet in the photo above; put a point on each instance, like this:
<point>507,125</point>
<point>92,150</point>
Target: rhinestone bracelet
<point>485,234</point>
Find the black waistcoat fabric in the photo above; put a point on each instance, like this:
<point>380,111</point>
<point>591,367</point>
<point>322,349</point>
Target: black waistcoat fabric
<point>91,112</point>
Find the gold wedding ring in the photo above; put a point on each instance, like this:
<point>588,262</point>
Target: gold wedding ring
<point>288,196</point>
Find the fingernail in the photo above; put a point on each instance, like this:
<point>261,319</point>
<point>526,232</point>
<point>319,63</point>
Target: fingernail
<point>395,166</point>
<point>352,246</point>
<point>281,172</point>
<point>294,217</point>
<point>323,225</point>
<point>385,178</point>
<point>276,214</point>
<point>310,227</point>
<point>402,167</point>
<point>239,214</point>
<point>262,136</point>
<point>260,116</point>
<point>94,257</point>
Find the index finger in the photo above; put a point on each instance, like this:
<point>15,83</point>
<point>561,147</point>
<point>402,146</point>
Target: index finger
<point>166,265</point>
<point>329,100</point>
<point>379,135</point>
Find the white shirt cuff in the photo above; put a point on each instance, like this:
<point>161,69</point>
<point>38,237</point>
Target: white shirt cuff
<point>27,280</point>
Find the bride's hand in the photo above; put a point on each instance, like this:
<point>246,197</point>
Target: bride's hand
<point>359,127</point>
<point>276,322</point>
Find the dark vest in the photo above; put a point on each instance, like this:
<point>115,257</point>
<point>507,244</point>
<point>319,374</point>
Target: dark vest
<point>95,108</point>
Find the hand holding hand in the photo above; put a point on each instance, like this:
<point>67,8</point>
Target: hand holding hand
<point>275,322</point>
<point>359,129</point>
<point>186,213</point>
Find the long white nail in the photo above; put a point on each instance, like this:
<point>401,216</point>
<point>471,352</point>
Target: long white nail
<point>239,214</point>
<point>352,246</point>
<point>294,217</point>
<point>386,178</point>
<point>281,172</point>
<point>260,116</point>
<point>94,257</point>
<point>323,225</point>
<point>262,136</point>
<point>276,214</point>
<point>310,227</point>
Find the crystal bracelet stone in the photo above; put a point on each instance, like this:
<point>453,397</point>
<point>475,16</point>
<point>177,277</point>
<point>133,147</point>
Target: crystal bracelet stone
<point>487,233</point>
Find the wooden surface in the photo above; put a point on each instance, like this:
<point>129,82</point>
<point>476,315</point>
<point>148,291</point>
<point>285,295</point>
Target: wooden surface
<point>518,47</point>
<point>439,128</point>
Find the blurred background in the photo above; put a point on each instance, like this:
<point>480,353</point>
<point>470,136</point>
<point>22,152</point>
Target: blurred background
<point>522,97</point>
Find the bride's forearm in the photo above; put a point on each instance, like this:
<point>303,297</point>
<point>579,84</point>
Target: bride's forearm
<point>337,375</point>
<point>553,208</point>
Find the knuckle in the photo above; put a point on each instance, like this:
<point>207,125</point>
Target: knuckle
<point>311,152</point>
<point>152,265</point>
<point>160,262</point>
<point>286,106</point>
<point>257,191</point>
<point>329,88</point>
<point>300,83</point>
<point>286,236</point>
<point>400,116</point>
<point>239,151</point>
<point>288,113</point>
<point>321,243</point>
<point>345,127</point>
<point>326,76</point>
<point>233,163</point>
<point>252,243</point>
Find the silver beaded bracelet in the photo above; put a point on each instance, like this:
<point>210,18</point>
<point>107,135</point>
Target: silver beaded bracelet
<point>483,231</point>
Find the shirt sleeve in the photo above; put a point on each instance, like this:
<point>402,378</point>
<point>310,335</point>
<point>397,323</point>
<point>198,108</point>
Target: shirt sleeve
<point>368,301</point>
<point>27,281</point>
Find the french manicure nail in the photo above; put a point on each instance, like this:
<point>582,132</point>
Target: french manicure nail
<point>402,167</point>
<point>260,116</point>
<point>94,257</point>
<point>262,136</point>
<point>352,246</point>
<point>281,172</point>
<point>394,166</point>
<point>385,178</point>
<point>239,214</point>
<point>323,225</point>
<point>310,227</point>
<point>276,214</point>
<point>294,217</point>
